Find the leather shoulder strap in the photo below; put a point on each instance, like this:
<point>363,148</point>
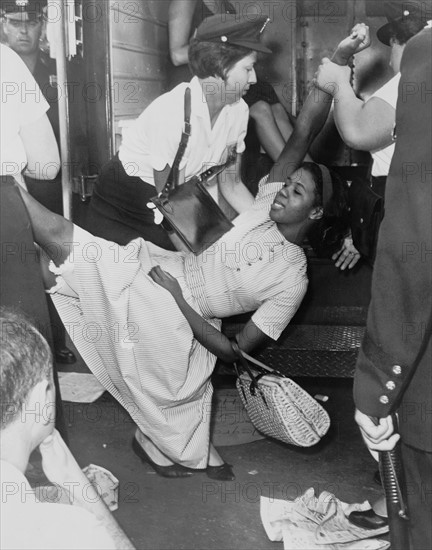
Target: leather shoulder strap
<point>173,176</point>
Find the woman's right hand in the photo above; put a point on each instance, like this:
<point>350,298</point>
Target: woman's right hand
<point>166,281</point>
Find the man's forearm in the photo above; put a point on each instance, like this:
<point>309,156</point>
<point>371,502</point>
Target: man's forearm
<point>348,115</point>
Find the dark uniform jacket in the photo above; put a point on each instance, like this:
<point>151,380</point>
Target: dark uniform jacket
<point>49,193</point>
<point>45,75</point>
<point>401,304</point>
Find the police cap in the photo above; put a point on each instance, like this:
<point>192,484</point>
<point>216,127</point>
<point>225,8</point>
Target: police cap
<point>24,9</point>
<point>397,12</point>
<point>234,29</point>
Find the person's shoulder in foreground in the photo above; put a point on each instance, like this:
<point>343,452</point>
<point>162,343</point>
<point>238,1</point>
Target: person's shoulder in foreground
<point>27,400</point>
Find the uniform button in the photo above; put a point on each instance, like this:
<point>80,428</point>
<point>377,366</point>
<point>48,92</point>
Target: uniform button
<point>397,369</point>
<point>390,385</point>
<point>249,264</point>
<point>361,220</point>
<point>260,259</point>
<point>384,399</point>
<point>238,269</point>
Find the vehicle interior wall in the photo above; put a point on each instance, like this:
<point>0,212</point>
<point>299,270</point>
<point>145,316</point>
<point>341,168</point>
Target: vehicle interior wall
<point>125,50</point>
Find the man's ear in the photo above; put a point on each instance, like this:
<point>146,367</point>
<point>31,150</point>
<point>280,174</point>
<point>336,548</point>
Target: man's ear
<point>316,213</point>
<point>41,402</point>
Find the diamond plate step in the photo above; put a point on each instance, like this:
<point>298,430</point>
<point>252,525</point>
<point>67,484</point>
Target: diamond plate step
<point>325,364</point>
<point>312,350</point>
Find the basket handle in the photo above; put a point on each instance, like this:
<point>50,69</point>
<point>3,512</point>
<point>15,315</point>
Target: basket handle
<point>246,368</point>
<point>264,369</point>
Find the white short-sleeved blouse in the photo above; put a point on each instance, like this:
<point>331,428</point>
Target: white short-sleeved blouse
<point>151,142</point>
<point>21,103</point>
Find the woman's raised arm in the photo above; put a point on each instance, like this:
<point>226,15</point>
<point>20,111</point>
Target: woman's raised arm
<point>315,109</point>
<point>180,17</point>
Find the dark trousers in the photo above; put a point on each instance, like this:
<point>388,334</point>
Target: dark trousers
<point>118,211</point>
<point>21,285</point>
<point>418,474</point>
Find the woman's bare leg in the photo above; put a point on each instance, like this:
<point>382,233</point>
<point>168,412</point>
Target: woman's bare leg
<point>282,120</point>
<point>267,130</point>
<point>52,232</point>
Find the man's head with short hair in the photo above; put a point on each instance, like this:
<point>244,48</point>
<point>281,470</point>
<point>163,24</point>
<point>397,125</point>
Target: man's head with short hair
<point>404,20</point>
<point>25,360</point>
<point>23,24</point>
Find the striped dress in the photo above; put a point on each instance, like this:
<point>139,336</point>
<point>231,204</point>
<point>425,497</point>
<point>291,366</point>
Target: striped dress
<point>137,342</point>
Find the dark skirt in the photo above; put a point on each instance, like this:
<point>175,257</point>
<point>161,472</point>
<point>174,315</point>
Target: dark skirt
<point>118,211</point>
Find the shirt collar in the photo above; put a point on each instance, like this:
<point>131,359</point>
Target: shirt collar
<point>199,102</point>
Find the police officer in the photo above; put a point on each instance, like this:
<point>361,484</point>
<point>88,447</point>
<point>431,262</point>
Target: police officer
<point>394,367</point>
<point>23,27</point>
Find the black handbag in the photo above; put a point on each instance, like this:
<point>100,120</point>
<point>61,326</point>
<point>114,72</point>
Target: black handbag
<point>366,213</point>
<point>189,209</point>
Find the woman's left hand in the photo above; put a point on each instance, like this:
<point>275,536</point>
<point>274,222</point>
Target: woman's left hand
<point>165,280</point>
<point>347,256</point>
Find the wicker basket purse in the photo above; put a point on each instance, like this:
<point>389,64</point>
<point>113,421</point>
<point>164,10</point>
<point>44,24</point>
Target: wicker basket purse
<point>277,406</point>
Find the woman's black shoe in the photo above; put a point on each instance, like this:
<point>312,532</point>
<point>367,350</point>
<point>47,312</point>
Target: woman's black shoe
<point>175,470</point>
<point>367,519</point>
<point>223,472</point>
